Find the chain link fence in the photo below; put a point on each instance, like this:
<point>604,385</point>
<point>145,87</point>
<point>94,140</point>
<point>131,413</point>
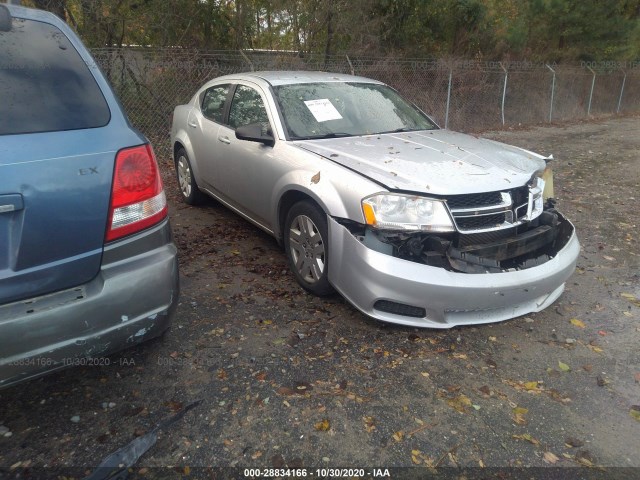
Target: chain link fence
<point>458,94</point>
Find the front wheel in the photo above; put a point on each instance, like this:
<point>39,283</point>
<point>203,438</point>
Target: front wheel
<point>305,241</point>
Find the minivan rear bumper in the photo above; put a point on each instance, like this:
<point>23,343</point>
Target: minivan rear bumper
<point>132,299</point>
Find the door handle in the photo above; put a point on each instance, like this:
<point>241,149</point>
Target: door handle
<point>224,140</point>
<point>192,124</point>
<point>11,203</point>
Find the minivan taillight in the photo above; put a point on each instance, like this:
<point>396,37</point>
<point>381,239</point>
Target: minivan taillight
<point>137,196</point>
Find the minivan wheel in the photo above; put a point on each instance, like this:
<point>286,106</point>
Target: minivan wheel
<point>191,194</point>
<point>305,241</point>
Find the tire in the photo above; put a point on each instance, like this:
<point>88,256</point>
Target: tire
<point>191,194</point>
<point>305,242</point>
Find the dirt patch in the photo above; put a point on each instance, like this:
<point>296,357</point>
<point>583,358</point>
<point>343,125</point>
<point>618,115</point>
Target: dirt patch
<point>289,379</point>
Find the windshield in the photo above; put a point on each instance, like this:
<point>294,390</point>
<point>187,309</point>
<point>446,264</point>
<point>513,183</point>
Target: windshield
<point>337,109</point>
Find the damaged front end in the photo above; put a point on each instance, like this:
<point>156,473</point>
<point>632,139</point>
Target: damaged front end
<point>527,245</point>
<point>494,232</point>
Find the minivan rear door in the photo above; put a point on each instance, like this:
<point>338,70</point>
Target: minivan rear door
<point>57,149</point>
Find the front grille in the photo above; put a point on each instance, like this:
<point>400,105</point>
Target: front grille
<point>481,221</point>
<point>479,212</point>
<point>474,200</point>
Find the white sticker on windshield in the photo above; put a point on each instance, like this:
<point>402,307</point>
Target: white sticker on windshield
<point>323,110</point>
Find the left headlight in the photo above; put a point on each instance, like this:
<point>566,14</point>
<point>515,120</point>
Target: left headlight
<point>406,212</point>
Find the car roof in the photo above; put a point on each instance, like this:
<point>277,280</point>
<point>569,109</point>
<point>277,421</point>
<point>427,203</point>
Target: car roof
<point>33,14</point>
<point>292,77</point>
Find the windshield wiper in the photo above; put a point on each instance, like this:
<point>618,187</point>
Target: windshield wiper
<point>398,130</point>
<point>326,135</point>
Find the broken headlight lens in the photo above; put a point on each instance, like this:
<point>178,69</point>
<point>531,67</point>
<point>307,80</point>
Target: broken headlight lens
<point>406,212</point>
<point>547,177</point>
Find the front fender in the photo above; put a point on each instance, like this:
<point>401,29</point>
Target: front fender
<point>179,135</point>
<point>337,190</point>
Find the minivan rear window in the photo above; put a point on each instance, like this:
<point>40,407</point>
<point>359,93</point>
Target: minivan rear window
<point>45,85</point>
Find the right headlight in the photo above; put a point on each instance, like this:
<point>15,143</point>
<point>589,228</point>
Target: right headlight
<point>406,212</point>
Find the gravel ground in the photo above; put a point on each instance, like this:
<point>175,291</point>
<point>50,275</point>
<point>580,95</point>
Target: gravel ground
<point>287,379</point>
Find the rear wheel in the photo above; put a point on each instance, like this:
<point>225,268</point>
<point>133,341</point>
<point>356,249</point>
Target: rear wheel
<point>305,241</point>
<point>191,194</point>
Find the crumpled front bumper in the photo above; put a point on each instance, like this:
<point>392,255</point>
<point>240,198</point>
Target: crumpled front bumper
<point>364,277</point>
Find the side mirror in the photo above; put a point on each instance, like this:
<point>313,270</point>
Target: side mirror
<point>253,133</point>
<point>5,19</point>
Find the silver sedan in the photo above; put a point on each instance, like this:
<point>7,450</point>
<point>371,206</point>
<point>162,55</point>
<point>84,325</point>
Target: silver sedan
<point>412,224</point>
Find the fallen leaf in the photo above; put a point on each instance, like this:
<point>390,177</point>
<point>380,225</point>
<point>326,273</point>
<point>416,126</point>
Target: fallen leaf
<point>573,442</point>
<point>527,437</point>
<point>425,374</point>
<point>601,381</point>
<point>637,377</point>
<point>550,458</point>
<point>585,457</point>
<point>491,363</point>
<point>564,367</point>
<point>398,436</point>
<point>595,348</point>
<point>520,410</point>
<point>315,178</point>
<point>322,426</point>
<point>174,405</point>
<point>634,411</point>
<point>459,403</point>
<point>531,385</point>
<point>369,424</point>
<point>631,298</point>
<point>577,323</point>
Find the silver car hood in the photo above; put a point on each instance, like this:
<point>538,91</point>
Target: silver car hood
<point>440,162</point>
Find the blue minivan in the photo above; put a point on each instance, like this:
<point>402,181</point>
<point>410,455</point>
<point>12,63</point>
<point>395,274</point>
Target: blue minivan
<point>87,261</point>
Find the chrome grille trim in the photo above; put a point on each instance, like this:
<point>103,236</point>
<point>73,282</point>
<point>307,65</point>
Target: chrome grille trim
<point>513,215</point>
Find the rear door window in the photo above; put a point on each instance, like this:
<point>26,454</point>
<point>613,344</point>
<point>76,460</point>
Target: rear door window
<point>213,102</point>
<point>45,85</point>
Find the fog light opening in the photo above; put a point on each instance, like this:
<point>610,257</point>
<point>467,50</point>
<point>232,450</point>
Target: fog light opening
<point>396,308</point>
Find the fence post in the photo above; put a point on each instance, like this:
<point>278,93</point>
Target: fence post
<point>593,84</point>
<point>504,89</point>
<point>247,60</point>
<point>446,114</point>
<point>624,79</point>
<point>553,90</point>
<point>350,65</point>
